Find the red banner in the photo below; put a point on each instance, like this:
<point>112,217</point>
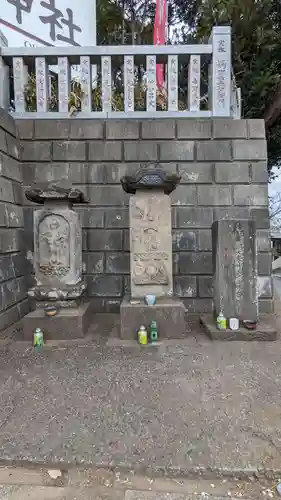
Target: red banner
<point>159,37</point>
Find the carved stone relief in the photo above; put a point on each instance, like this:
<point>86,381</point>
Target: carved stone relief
<point>54,245</point>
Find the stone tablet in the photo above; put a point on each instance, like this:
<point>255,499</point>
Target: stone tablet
<point>235,269</point>
<point>151,244</point>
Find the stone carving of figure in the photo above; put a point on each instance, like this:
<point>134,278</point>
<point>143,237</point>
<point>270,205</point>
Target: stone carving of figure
<point>54,257</point>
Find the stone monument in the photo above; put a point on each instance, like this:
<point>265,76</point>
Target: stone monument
<point>57,264</point>
<point>151,255</point>
<point>235,281</point>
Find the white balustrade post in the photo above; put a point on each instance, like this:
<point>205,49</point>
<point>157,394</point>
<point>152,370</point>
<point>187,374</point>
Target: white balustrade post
<point>86,84</point>
<point>194,76</point>
<point>129,84</point>
<point>19,74</point>
<point>4,77</point>
<point>151,83</point>
<point>64,83</point>
<point>220,80</point>
<point>173,84</point>
<point>106,84</point>
<point>42,84</point>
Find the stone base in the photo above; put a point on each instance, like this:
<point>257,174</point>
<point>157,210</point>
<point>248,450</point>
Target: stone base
<point>264,331</point>
<point>168,312</point>
<point>67,324</point>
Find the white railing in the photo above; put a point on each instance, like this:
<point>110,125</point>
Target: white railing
<point>21,62</point>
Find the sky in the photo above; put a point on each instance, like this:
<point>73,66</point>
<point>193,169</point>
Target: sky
<point>274,186</point>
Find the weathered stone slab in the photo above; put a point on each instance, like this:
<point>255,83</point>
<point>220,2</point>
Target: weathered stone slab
<point>264,331</point>
<point>168,312</point>
<point>235,268</point>
<point>151,244</point>
<point>69,323</point>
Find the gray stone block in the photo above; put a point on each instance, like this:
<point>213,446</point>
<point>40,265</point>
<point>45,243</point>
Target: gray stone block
<point>126,240</point>
<point>67,324</point>
<point>107,196</point>
<point>265,331</point>
<point>263,240</point>
<point>6,190</point>
<point>227,128</point>
<point>177,151</point>
<point>235,268</point>
<point>261,216</point>
<point>256,129</point>
<point>206,286</point>
<point>51,129</point>
<point>11,240</point>
<point>91,217</point>
<point>14,215</point>
<point>265,288</point>
<point>10,168</point>
<point>96,173</point>
<point>3,215</point>
<point>213,151</point>
<point>145,151</point>
<point>7,271</point>
<point>122,129</point>
<point>196,173</point>
<point>117,263</point>
<point>105,286</point>
<point>195,263</point>
<point>19,264</point>
<point>7,122</point>
<point>69,151</point>
<point>24,129</point>
<point>117,217</point>
<point>264,264</point>
<point>36,151</point>
<point>259,172</point>
<point>252,195</point>
<point>184,195</point>
<point>105,150</point>
<point>198,306</point>
<point>114,172</point>
<point>184,240</point>
<point>86,129</point>
<point>48,172</point>
<point>9,317</point>
<point>188,128</point>
<point>78,172</point>
<point>110,239</point>
<point>3,141</point>
<point>169,314</point>
<point>228,173</point>
<point>93,262</point>
<point>11,292</point>
<point>193,217</point>
<point>249,149</point>
<point>214,195</point>
<point>18,193</point>
<point>185,286</point>
<point>158,129</point>
<point>205,239</point>
<point>13,146</point>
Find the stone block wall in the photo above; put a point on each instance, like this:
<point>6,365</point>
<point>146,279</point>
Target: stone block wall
<point>224,175</point>
<point>13,290</point>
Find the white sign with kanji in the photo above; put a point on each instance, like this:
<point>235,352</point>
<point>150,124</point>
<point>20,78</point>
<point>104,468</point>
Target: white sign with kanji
<point>48,22</point>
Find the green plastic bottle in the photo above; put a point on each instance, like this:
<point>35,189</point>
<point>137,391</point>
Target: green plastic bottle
<point>153,331</point>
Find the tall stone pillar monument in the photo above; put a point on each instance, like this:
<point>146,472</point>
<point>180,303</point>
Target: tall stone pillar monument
<point>151,255</point>
<point>57,264</point>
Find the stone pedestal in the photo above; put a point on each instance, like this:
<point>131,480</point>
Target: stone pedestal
<point>151,256</point>
<point>57,264</point>
<point>235,281</point>
<point>168,312</point>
